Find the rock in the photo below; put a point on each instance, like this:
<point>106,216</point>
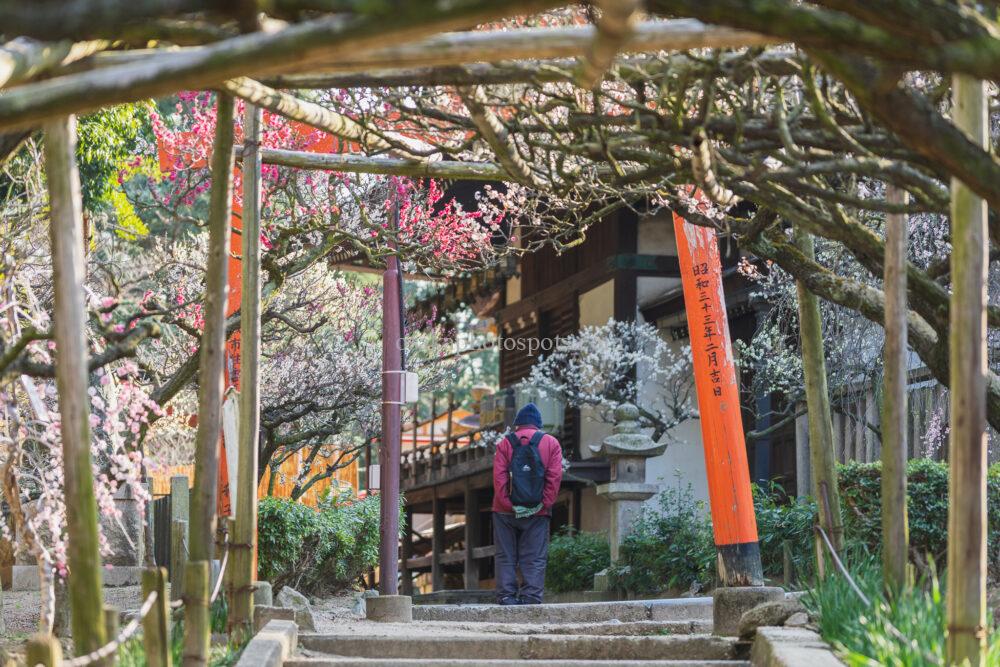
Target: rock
<point>799,619</point>
<point>262,594</point>
<point>290,598</point>
<point>360,608</point>
<point>769,613</point>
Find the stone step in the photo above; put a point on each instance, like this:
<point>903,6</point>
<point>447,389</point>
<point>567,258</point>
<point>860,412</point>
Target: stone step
<point>675,609</point>
<point>483,646</point>
<point>605,628</point>
<point>335,661</point>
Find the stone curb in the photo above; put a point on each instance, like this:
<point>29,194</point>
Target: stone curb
<point>791,647</point>
<point>270,647</point>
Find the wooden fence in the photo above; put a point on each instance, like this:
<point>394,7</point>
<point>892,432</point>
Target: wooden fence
<point>857,420</point>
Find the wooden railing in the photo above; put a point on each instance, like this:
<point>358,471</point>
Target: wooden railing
<point>456,455</point>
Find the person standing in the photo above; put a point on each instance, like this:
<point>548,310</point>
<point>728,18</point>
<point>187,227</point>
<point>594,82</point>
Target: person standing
<point>527,472</point>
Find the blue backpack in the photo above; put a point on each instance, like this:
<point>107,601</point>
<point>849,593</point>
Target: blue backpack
<point>527,473</point>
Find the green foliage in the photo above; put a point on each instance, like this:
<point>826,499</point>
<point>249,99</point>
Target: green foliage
<point>781,521</point>
<point>669,547</point>
<point>908,629</point>
<point>318,551</point>
<point>672,547</point>
<point>574,559</point>
<point>282,529</point>
<point>927,508</point>
<point>108,142</point>
<point>133,653</point>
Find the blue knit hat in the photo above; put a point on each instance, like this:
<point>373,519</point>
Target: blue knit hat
<point>529,416</point>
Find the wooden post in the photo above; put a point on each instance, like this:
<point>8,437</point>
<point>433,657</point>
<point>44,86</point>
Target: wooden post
<point>43,650</point>
<point>966,640</point>
<point>407,551</point>
<point>156,625</point>
<point>69,323</point>
<point>895,537</point>
<point>210,379</point>
<point>473,535</point>
<point>734,522</point>
<point>178,557</point>
<point>197,629</point>
<point>822,462</point>
<point>243,539</point>
<point>111,622</point>
<point>437,544</point>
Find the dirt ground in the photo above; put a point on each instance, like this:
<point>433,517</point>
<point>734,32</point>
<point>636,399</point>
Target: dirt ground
<point>21,612</point>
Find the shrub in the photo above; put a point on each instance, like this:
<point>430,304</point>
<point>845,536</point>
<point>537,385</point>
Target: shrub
<point>318,551</point>
<point>782,521</point>
<point>574,559</point>
<point>670,546</point>
<point>927,508</point>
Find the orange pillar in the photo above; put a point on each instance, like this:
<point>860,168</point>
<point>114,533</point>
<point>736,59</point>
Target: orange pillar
<point>733,518</point>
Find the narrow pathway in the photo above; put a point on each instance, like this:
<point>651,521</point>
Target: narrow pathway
<point>674,633</point>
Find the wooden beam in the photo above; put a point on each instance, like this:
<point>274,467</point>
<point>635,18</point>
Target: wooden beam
<point>359,164</point>
<point>473,535</point>
<point>437,544</point>
<point>69,323</point>
<point>309,113</point>
<point>211,351</point>
<point>541,43</point>
<point>301,46</point>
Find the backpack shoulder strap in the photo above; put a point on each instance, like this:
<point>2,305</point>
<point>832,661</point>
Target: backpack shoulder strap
<point>536,438</point>
<point>512,440</point>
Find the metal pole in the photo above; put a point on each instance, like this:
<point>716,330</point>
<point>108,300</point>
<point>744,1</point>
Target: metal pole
<point>389,448</point>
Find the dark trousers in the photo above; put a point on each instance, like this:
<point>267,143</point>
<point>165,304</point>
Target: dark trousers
<point>521,543</point>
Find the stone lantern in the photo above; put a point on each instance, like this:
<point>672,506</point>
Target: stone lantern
<point>627,450</point>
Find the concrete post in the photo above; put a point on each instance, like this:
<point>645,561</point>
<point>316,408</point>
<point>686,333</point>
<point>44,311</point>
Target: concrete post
<point>180,498</point>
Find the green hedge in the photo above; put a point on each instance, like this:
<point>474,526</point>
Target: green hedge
<point>574,559</point>
<point>671,545</point>
<point>319,551</point>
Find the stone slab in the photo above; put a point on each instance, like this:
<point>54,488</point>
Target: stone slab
<point>419,645</point>
<point>389,609</point>
<point>730,603</point>
<point>263,614</point>
<point>336,661</point>
<point>272,646</point>
<point>791,647</point>
<point>571,612</point>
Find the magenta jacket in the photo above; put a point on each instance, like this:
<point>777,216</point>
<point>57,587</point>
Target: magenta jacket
<point>551,453</point>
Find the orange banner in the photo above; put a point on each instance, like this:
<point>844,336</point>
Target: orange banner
<point>729,493</point>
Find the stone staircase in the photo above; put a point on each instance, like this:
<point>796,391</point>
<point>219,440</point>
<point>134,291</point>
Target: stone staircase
<point>674,633</point>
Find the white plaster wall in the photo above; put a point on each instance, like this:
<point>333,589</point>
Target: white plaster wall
<point>683,462</point>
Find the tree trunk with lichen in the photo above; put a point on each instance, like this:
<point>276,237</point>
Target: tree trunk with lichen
<point>823,464</point>
<point>966,641</point>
